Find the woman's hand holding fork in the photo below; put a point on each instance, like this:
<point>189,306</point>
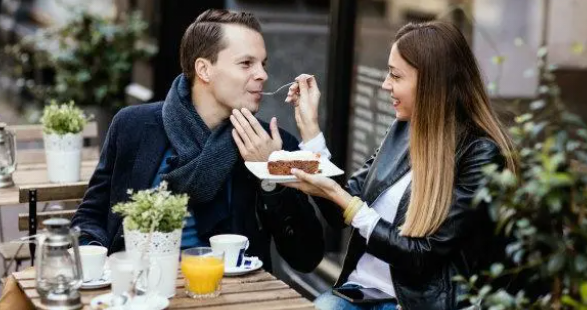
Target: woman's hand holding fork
<point>305,97</point>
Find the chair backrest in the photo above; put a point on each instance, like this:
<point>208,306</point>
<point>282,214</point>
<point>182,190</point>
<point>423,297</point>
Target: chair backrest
<point>30,133</point>
<point>23,218</point>
<point>29,143</point>
<point>46,193</point>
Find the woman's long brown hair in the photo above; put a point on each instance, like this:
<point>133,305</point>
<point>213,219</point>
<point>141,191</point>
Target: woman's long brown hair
<point>450,98</point>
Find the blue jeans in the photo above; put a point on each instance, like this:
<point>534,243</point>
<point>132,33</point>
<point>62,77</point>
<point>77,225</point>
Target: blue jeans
<point>329,301</point>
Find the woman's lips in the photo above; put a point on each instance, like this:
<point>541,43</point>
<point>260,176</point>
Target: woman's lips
<point>395,102</point>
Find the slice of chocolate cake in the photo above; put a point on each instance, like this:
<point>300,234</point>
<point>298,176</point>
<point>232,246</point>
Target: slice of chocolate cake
<point>281,162</point>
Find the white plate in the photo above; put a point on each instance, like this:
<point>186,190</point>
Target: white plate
<point>255,264</point>
<point>260,170</point>
<point>153,302</point>
<point>103,282</point>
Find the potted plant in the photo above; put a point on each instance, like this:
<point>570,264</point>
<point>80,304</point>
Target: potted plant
<point>153,220</point>
<point>540,212</point>
<point>62,136</point>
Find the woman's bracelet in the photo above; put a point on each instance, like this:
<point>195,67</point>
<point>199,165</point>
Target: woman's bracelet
<point>353,212</point>
<point>353,208</point>
<point>351,203</point>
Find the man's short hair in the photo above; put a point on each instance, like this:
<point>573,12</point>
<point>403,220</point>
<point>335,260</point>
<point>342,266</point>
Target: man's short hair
<point>203,38</point>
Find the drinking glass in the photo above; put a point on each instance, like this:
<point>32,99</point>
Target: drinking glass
<point>203,270</point>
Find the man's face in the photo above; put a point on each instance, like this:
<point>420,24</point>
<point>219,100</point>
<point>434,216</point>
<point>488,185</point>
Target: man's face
<point>237,77</point>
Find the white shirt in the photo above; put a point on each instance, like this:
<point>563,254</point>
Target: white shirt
<point>370,270</point>
<point>316,145</point>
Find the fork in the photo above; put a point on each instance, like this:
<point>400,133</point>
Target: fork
<point>280,88</point>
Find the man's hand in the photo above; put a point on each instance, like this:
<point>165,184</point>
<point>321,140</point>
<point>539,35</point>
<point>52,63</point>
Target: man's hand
<point>253,142</point>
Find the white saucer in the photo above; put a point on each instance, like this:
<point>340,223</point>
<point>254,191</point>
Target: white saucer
<point>103,282</point>
<point>250,264</point>
<point>153,302</point>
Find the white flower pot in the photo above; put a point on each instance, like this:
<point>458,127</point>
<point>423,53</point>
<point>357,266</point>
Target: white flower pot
<point>164,255</point>
<point>64,156</point>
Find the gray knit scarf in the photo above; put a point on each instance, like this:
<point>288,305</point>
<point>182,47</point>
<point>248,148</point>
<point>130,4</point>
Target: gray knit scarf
<point>205,158</point>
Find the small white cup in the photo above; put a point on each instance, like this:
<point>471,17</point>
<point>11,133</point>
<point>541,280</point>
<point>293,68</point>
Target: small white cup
<point>233,246</point>
<point>93,258</point>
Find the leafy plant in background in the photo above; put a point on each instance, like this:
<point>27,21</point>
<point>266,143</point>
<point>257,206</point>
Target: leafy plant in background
<point>541,211</point>
<point>91,58</point>
<point>63,119</point>
<point>156,209</point>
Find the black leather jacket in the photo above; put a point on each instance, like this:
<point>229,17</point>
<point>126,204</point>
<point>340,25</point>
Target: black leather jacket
<point>422,268</point>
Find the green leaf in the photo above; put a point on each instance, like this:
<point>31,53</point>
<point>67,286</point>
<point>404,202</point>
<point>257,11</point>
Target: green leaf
<point>542,51</point>
<point>507,179</point>
<point>583,290</point>
<point>524,118</point>
<point>459,278</point>
<point>496,269</point>
<point>154,206</point>
<point>556,263</point>
<point>504,298</point>
<point>573,119</point>
<point>463,297</point>
<point>568,300</point>
<point>554,203</point>
<point>484,291</point>
<point>473,279</point>
<point>489,169</point>
<point>83,76</point>
<point>498,60</point>
<point>482,195</point>
<point>581,263</point>
<point>63,118</point>
<point>577,48</point>
<point>537,129</point>
<point>100,93</point>
<point>523,223</point>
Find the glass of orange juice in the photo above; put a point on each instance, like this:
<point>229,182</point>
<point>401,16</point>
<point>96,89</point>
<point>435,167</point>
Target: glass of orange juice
<point>202,269</point>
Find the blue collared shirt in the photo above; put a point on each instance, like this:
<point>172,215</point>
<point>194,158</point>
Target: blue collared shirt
<point>189,234</point>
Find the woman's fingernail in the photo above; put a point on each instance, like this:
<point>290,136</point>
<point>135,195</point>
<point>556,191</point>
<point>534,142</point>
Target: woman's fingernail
<point>294,170</point>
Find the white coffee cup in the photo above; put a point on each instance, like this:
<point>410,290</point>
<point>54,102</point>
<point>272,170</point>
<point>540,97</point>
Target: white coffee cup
<point>233,246</point>
<point>93,258</point>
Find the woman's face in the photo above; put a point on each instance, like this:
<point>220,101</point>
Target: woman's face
<point>401,83</point>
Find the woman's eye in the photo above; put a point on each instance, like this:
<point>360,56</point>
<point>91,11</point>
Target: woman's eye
<point>393,76</point>
<point>246,63</point>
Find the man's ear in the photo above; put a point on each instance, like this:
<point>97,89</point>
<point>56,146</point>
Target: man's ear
<point>203,67</point>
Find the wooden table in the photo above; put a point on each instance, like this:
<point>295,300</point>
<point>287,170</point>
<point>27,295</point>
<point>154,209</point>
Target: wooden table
<point>33,174</point>
<point>258,291</point>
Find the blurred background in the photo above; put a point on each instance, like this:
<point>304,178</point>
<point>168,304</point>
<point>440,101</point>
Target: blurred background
<point>344,43</point>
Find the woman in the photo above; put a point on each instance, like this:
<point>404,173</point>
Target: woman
<point>415,226</point>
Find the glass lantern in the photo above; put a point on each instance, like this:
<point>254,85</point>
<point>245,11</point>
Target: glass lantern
<point>7,156</point>
<point>59,273</point>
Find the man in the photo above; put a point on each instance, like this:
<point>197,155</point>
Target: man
<point>188,141</point>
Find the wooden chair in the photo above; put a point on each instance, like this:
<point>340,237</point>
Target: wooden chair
<point>29,141</point>
<point>32,221</point>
